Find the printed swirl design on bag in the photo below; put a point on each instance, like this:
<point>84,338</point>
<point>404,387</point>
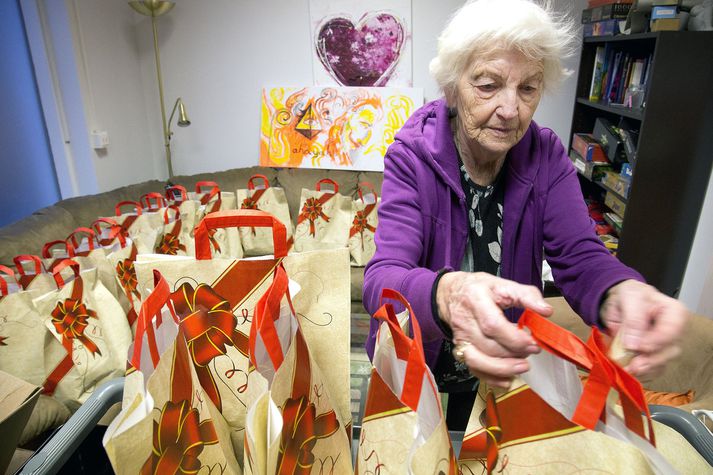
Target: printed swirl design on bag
<point>209,326</point>
<point>70,319</point>
<point>2,341</point>
<point>127,277</point>
<point>302,427</point>
<point>360,224</point>
<point>178,439</point>
<point>312,210</point>
<point>179,436</point>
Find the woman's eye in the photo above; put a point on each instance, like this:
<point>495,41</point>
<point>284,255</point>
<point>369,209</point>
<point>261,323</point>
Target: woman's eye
<point>528,89</point>
<point>487,87</point>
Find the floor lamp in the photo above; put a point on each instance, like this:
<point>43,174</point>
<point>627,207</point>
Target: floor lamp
<point>154,9</point>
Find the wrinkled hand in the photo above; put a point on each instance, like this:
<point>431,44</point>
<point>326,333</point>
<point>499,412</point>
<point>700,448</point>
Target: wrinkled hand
<point>472,305</point>
<point>650,324</point>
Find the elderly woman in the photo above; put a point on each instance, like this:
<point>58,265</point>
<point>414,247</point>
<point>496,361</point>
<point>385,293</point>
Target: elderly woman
<point>476,194</point>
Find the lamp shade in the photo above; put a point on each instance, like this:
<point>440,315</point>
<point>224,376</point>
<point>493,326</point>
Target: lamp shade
<point>152,7</point>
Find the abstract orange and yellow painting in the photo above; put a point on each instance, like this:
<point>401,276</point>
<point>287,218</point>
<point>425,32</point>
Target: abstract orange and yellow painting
<point>332,127</point>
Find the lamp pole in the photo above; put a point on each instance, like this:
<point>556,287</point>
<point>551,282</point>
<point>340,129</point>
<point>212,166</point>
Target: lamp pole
<point>154,9</point>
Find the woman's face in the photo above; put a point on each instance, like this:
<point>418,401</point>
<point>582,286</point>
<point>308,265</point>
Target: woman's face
<point>496,98</point>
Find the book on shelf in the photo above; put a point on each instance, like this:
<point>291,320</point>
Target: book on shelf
<point>595,89</point>
<point>614,71</point>
<point>602,28</point>
<point>611,11</point>
<point>599,3</point>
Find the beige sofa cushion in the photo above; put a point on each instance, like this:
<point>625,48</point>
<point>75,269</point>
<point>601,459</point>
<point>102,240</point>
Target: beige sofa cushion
<point>228,180</point>
<point>28,235</point>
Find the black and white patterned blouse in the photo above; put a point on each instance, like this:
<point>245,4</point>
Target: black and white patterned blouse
<point>483,254</point>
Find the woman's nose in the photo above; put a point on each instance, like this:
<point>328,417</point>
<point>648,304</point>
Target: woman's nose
<point>508,106</point>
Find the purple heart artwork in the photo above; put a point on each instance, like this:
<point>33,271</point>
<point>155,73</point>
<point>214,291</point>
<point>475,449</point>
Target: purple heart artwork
<point>364,54</point>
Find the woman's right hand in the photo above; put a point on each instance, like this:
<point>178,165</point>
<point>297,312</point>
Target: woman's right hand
<point>493,348</point>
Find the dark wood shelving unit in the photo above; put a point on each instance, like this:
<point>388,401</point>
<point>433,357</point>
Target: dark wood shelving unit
<point>674,151</point>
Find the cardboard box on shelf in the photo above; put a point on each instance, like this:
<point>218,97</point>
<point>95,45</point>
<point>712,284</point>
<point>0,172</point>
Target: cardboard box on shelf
<point>593,171</point>
<point>666,24</point>
<point>588,148</point>
<point>614,203</point>
<point>664,11</point>
<point>617,184</point>
<point>627,172</point>
<point>608,137</point>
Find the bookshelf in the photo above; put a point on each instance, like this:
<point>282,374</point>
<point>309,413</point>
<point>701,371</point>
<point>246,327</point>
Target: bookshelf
<point>674,148</point>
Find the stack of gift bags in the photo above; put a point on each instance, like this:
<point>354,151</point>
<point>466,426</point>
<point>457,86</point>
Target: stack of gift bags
<point>103,254</point>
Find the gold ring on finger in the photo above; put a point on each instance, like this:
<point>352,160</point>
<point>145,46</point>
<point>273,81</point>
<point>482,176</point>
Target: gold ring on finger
<point>459,350</point>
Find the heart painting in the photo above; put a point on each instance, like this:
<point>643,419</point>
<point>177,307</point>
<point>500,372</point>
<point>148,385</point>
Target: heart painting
<point>361,54</point>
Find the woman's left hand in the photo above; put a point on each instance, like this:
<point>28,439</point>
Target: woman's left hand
<point>650,325</point>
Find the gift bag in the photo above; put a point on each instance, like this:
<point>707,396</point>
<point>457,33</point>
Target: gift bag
<point>122,261</point>
<point>257,241</point>
<point>91,327</point>
<point>108,233</point>
<point>215,298</point>
<point>174,241</point>
<point>23,335</point>
<point>549,421</point>
<point>177,196</point>
<point>364,221</point>
<point>32,275</point>
<point>323,222</point>
<point>211,198</point>
<point>143,228</point>
<point>166,423</point>
<point>403,428</point>
<point>293,426</point>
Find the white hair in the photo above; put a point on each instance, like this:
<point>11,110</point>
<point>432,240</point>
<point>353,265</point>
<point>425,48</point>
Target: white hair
<point>481,27</point>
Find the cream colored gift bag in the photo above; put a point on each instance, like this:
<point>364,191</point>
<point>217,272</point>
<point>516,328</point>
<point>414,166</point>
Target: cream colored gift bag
<point>174,240</point>
<point>188,208</point>
<point>23,334</point>
<point>323,222</point>
<point>258,241</point>
<point>225,242</point>
<point>167,424</point>
<point>93,332</point>
<point>403,428</point>
<point>293,426</point>
<point>215,298</point>
<point>32,275</point>
<point>548,421</point>
<point>143,228</point>
<point>364,221</point>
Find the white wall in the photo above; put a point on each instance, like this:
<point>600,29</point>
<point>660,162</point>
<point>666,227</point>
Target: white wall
<point>217,56</point>
<point>697,287</point>
<point>113,92</point>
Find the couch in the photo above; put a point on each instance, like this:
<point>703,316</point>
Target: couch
<point>691,370</point>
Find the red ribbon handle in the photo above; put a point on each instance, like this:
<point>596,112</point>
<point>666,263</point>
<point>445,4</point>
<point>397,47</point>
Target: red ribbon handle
<point>239,218</point>
<point>327,181</point>
<point>267,310</point>
<point>176,193</point>
<point>407,349</point>
<point>19,260</point>
<point>265,181</point>
<point>3,285</point>
<point>158,201</point>
<point>97,224</point>
<point>151,307</point>
<point>46,249</point>
<point>368,186</point>
<point>73,243</point>
<point>60,266</point>
<point>120,204</point>
<point>166,214</point>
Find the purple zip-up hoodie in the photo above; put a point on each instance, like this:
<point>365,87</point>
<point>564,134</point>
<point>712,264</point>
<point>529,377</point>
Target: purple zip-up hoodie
<point>423,224</point>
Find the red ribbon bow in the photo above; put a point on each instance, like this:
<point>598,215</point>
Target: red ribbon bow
<point>70,320</point>
<point>359,224</point>
<point>170,244</point>
<point>312,210</point>
<point>178,440</point>
<point>209,326</point>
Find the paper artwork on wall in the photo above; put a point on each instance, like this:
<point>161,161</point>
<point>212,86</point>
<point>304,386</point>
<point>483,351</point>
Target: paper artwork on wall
<point>332,127</point>
<point>361,43</point>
